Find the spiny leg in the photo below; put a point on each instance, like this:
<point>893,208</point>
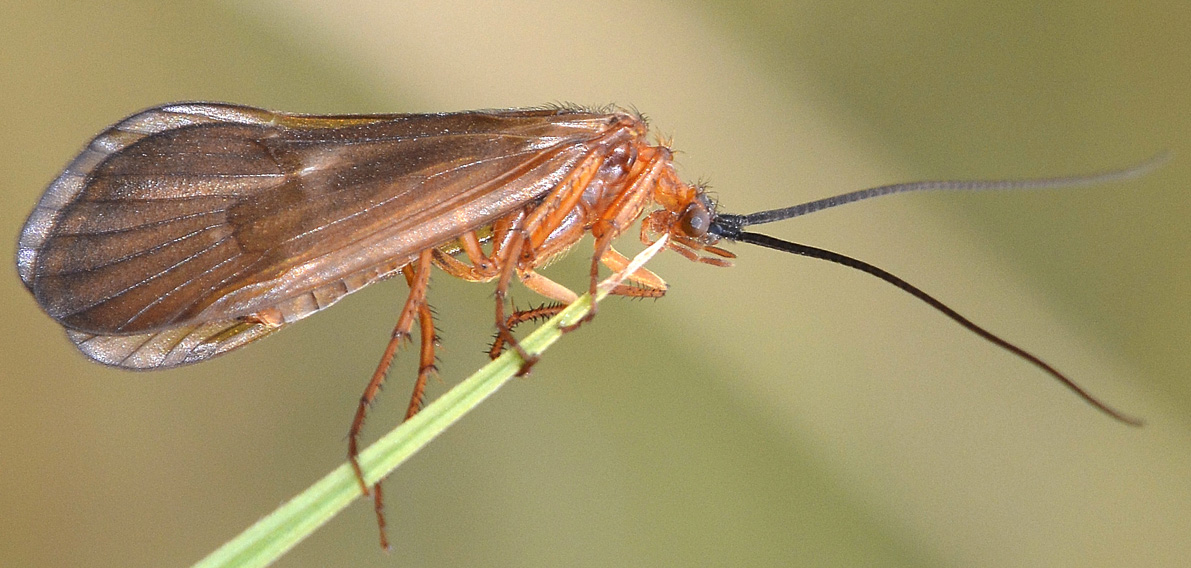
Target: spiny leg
<point>418,277</point>
<point>426,366</point>
<point>503,331</point>
<point>637,292</point>
<point>603,243</point>
<point>518,317</point>
<point>546,287</point>
<point>651,286</point>
<point>547,311</point>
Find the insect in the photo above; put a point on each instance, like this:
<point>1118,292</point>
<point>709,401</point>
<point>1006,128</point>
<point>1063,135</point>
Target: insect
<point>188,230</point>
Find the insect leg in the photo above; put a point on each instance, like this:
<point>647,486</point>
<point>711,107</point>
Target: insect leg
<point>602,244</point>
<point>508,266</point>
<point>547,287</point>
<point>543,312</point>
<point>426,366</point>
<point>619,214</point>
<point>482,268</point>
<point>651,286</point>
<point>617,262</point>
<point>418,277</point>
<point>561,295</point>
<point>517,240</point>
<point>456,267</point>
<point>687,246</point>
<point>482,264</point>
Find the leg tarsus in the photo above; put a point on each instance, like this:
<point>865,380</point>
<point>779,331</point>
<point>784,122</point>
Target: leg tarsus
<point>527,365</point>
<point>378,504</point>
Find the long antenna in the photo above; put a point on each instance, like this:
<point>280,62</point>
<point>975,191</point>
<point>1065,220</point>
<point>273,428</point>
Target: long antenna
<point>823,254</point>
<point>723,224</point>
<point>731,227</point>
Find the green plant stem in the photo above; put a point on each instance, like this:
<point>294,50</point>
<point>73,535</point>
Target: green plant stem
<point>272,536</point>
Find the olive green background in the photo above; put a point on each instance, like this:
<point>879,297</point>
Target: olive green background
<point>781,412</point>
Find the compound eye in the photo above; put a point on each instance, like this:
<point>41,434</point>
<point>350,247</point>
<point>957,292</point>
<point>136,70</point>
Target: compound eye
<point>695,220</point>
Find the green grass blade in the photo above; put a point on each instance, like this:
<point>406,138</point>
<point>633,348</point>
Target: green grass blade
<point>270,537</point>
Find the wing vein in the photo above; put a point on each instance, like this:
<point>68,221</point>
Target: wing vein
<point>185,283</point>
<point>107,232</point>
<point>147,279</point>
<point>141,253</point>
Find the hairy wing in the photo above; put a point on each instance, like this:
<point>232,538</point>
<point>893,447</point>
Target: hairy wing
<point>198,214</point>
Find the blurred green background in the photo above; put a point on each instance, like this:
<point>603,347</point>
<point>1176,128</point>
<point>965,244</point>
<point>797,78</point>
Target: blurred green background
<point>782,412</point>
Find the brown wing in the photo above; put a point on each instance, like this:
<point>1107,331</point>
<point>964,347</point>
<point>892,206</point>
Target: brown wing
<point>193,215</point>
